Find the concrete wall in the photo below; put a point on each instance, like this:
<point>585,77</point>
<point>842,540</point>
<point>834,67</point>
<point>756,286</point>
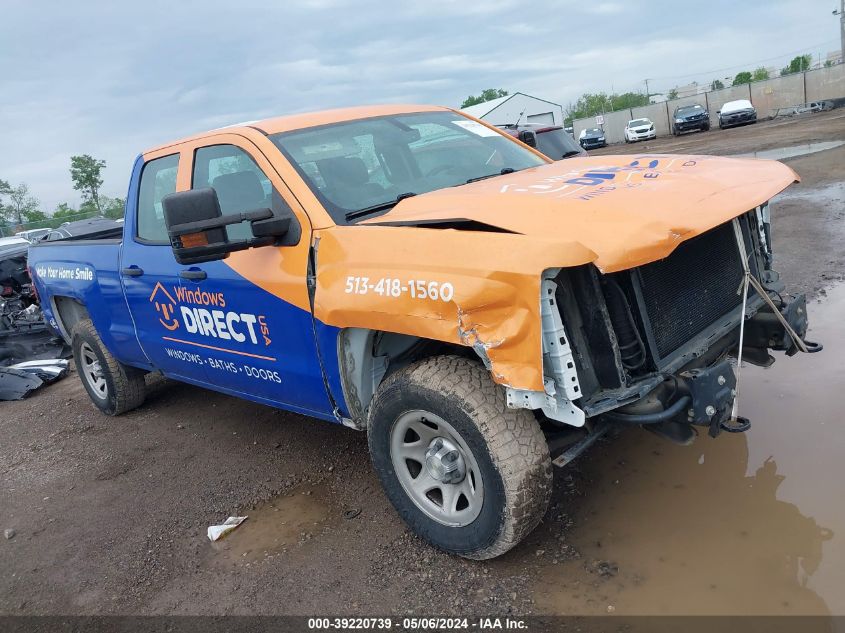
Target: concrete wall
<point>657,112</point>
<point>767,96</point>
<point>614,124</point>
<point>826,83</point>
<point>687,101</point>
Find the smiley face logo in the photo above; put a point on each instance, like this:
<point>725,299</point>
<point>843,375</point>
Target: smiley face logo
<point>165,305</point>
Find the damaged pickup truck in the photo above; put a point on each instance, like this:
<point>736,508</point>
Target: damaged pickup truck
<point>424,277</point>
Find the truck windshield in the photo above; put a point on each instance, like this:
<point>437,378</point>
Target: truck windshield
<point>369,164</point>
<point>557,144</point>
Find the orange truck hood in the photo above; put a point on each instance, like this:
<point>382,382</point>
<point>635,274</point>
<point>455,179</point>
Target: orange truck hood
<point>617,212</point>
<point>624,210</point>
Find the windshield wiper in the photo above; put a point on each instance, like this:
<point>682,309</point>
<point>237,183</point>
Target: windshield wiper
<point>381,206</point>
<point>506,170</point>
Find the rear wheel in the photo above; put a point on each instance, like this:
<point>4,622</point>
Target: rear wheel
<point>464,471</point>
<point>113,387</point>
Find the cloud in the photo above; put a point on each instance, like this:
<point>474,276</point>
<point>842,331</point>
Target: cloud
<point>605,8</point>
<point>111,79</point>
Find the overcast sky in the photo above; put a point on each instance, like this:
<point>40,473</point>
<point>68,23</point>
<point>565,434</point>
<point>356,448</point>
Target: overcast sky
<point>113,78</point>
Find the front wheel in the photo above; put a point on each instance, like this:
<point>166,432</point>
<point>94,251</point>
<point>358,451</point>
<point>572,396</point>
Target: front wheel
<point>464,471</point>
<point>112,386</point>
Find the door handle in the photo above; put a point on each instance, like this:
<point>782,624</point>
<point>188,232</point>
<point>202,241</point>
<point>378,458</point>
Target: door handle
<point>132,271</point>
<point>195,275</point>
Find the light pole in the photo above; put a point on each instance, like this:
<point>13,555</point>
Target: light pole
<point>841,14</point>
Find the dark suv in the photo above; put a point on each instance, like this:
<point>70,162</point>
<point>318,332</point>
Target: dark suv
<point>552,140</point>
<point>592,138</point>
<point>693,117</point>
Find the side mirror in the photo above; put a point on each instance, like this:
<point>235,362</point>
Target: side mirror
<point>528,137</point>
<point>197,226</point>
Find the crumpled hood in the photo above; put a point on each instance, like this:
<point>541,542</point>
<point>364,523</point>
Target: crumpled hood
<point>624,210</point>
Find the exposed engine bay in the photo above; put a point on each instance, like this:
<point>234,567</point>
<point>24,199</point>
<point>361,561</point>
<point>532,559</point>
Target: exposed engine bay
<point>656,345</point>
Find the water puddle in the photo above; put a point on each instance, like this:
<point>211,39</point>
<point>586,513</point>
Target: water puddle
<point>743,524</point>
<point>782,153</point>
<point>831,193</point>
<point>275,526</point>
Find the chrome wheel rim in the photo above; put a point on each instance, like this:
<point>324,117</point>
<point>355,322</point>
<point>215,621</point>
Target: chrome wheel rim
<point>436,468</point>
<point>92,372</point>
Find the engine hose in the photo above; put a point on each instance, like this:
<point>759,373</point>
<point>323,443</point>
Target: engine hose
<point>631,347</point>
<point>651,418</point>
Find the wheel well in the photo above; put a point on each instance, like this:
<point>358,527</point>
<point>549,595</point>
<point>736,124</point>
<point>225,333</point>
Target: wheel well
<point>68,312</point>
<point>367,357</point>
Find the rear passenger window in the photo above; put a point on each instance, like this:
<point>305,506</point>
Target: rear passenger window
<point>238,180</point>
<point>158,179</point>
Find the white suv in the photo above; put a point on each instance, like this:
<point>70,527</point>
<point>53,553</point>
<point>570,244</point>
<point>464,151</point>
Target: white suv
<point>639,130</point>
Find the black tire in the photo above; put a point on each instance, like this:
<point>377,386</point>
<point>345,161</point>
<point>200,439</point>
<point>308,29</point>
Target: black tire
<point>124,387</point>
<point>507,446</point>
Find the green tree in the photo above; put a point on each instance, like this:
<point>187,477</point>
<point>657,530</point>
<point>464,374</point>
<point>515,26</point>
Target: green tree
<point>798,65</point>
<point>64,211</point>
<point>760,74</point>
<point>486,95</point>
<point>673,94</point>
<point>113,207</point>
<point>716,84</point>
<point>828,63</point>
<point>86,172</point>
<point>742,78</point>
<point>22,207</point>
<point>591,104</point>
<point>5,190</point>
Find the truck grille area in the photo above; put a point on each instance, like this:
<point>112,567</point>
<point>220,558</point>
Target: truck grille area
<point>691,289</point>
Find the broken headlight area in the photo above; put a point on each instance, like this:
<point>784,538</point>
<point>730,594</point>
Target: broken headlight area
<point>655,345</point>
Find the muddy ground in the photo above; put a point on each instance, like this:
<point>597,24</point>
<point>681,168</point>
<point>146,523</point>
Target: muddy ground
<point>109,515</point>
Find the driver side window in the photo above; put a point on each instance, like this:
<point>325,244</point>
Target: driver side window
<point>240,183</point>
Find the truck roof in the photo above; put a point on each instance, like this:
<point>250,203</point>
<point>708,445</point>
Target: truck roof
<point>290,122</point>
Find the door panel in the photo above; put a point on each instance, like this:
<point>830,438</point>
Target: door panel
<point>250,316</point>
<point>150,276</point>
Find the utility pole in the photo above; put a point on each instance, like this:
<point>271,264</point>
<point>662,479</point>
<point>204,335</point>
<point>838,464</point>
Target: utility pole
<point>841,14</point>
<point>842,29</point>
<point>648,94</point>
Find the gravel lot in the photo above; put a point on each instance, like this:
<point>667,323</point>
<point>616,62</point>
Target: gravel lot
<point>110,515</point>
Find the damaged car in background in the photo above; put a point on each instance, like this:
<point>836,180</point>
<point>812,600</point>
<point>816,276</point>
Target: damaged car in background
<point>481,311</point>
<point>29,351</point>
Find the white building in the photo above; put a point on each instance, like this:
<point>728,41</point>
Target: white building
<point>518,107</point>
